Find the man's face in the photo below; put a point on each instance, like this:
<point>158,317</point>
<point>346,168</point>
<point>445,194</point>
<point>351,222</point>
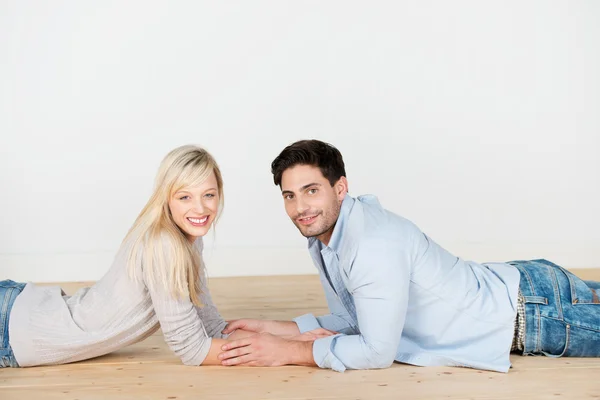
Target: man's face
<point>311,202</point>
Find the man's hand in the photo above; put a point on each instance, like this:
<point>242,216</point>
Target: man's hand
<point>313,335</point>
<point>266,350</point>
<point>279,328</point>
<point>252,325</point>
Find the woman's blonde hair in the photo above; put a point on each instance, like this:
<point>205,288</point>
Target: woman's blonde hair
<point>161,253</point>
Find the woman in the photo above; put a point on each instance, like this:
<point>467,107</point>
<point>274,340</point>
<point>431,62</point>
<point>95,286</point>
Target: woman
<point>157,277</point>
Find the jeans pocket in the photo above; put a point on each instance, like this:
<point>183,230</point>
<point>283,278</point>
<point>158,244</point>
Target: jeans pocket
<point>581,293</point>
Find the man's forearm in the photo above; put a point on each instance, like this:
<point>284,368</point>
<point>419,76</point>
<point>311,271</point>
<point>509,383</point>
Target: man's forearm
<point>282,328</point>
<point>301,353</point>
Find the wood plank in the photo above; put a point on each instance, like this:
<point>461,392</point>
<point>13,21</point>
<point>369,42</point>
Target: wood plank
<point>148,370</point>
<point>534,379</point>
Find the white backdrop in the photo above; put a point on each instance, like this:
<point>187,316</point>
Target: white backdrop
<point>479,121</point>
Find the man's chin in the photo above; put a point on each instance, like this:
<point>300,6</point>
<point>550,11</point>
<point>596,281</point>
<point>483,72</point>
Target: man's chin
<point>309,233</point>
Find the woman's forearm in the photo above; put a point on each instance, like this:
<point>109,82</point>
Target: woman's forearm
<point>215,349</point>
<point>215,346</point>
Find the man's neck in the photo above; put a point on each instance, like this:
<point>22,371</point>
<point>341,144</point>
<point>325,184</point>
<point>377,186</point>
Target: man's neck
<point>326,237</point>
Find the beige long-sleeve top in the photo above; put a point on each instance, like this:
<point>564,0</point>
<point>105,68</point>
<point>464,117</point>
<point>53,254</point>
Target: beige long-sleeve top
<point>48,328</point>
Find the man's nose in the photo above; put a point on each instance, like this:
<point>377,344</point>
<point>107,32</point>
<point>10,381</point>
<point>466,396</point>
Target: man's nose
<point>301,206</point>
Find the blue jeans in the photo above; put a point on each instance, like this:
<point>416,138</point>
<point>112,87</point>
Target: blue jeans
<point>9,291</point>
<point>562,312</point>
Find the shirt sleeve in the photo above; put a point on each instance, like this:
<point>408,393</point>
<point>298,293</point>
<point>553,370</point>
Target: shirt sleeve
<point>339,320</point>
<point>208,313</point>
<point>379,282</point>
<point>180,322</point>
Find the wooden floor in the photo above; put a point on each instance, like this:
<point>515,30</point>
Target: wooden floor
<point>149,370</point>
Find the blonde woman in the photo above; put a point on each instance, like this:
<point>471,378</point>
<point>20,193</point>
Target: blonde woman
<point>157,278</point>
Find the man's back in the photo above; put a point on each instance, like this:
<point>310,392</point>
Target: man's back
<point>403,291</point>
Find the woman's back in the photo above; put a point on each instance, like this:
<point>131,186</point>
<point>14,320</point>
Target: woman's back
<point>49,328</point>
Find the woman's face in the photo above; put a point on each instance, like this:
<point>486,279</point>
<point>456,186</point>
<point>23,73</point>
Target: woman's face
<point>195,208</point>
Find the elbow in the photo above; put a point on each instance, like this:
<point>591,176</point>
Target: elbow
<point>190,362</point>
<point>382,363</point>
<point>187,357</point>
<point>190,352</point>
<point>380,358</point>
<point>194,358</point>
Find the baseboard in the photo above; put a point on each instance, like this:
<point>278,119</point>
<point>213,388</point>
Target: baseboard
<point>224,261</point>
<point>91,266</point>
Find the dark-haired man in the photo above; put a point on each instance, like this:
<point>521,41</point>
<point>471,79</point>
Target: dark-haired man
<point>396,295</point>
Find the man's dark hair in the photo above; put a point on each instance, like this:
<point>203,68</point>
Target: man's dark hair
<point>310,152</point>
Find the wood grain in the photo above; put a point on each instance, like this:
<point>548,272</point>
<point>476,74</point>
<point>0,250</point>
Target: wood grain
<point>148,370</point>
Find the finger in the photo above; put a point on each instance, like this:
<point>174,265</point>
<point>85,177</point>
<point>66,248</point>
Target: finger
<point>238,360</point>
<point>238,343</point>
<point>249,364</point>
<point>235,353</point>
<point>323,331</point>
<point>233,325</point>
<point>321,336</point>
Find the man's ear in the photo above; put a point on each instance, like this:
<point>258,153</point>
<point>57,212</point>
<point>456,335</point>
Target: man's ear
<point>341,187</point>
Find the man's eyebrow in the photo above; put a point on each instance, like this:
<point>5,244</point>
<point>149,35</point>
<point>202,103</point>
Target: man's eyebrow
<point>303,188</point>
<point>309,185</point>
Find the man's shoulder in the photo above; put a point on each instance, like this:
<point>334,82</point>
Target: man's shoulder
<point>374,215</point>
<point>373,223</point>
<point>377,237</point>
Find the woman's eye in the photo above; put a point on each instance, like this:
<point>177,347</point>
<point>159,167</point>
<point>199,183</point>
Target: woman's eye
<point>184,197</point>
<point>209,195</point>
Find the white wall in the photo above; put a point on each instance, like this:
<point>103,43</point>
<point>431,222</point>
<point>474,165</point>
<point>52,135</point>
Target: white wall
<point>479,121</point>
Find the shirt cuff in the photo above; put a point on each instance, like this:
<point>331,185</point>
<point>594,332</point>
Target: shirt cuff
<point>335,323</point>
<point>323,355</point>
<point>306,322</point>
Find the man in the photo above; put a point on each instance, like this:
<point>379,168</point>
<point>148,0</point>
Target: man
<point>396,295</point>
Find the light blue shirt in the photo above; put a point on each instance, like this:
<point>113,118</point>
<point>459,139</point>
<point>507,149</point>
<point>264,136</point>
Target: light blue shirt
<point>394,294</point>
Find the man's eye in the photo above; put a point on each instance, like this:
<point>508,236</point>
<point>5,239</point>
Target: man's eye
<point>312,191</point>
<point>288,196</point>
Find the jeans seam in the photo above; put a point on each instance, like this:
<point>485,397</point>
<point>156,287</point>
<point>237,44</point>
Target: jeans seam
<point>557,296</point>
<point>4,313</point>
<point>574,297</point>
<point>555,319</point>
<point>584,327</point>
<point>572,288</point>
<point>538,344</point>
